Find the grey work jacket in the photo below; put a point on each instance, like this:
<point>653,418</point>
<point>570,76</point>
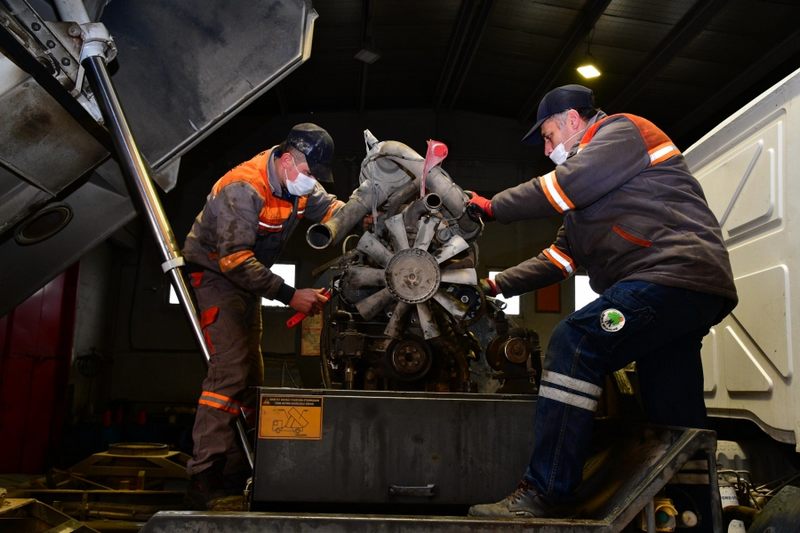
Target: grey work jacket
<point>631,211</point>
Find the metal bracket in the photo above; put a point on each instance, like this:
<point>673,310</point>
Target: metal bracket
<point>58,46</point>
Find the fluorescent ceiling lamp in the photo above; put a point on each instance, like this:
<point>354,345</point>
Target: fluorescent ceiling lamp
<point>588,71</point>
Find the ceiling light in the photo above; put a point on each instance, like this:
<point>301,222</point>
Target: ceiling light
<point>367,55</point>
<point>588,71</point>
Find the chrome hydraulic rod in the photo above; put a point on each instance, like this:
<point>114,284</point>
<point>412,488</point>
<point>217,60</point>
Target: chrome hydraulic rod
<point>136,171</point>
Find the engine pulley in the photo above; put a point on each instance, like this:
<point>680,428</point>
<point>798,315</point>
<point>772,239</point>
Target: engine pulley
<point>409,359</point>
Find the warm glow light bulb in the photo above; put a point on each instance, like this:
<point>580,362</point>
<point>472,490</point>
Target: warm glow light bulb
<point>588,71</point>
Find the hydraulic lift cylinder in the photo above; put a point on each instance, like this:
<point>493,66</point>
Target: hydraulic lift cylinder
<point>136,171</point>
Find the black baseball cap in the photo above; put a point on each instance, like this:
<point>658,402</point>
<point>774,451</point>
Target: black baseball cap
<point>557,100</point>
<point>316,145</point>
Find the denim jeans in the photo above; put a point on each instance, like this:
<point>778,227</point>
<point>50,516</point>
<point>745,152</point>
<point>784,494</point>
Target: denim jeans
<point>659,327</point>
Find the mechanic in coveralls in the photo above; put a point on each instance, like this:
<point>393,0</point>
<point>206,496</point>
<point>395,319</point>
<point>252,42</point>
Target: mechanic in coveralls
<point>242,229</point>
<point>637,220</point>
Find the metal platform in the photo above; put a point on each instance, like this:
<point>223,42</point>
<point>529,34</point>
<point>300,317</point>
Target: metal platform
<point>357,447</point>
<point>631,464</point>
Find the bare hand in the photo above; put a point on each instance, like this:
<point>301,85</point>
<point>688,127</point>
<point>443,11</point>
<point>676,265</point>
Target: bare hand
<point>308,301</point>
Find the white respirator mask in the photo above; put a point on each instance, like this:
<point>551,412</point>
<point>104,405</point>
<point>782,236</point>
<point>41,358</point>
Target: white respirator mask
<point>559,153</point>
<point>302,185</point>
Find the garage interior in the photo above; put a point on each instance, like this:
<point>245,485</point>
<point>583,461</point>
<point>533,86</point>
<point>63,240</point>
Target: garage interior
<point>94,352</point>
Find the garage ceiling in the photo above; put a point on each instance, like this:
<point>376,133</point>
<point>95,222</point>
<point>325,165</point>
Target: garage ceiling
<point>685,64</point>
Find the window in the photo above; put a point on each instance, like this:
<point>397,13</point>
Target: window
<point>284,270</point>
<point>512,304</point>
<point>583,292</point>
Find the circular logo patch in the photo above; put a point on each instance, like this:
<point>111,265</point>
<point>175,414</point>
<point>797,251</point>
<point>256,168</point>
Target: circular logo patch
<point>612,320</point>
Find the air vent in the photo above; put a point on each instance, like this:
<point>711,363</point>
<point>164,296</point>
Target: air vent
<point>43,224</point>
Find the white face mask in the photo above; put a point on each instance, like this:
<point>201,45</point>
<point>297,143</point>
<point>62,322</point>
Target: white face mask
<point>559,153</point>
<point>302,185</point>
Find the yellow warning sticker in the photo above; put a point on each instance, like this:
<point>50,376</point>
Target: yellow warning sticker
<point>290,417</point>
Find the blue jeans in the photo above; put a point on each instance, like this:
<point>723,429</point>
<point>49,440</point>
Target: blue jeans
<point>659,327</point>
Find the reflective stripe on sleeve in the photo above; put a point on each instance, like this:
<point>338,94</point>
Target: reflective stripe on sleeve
<point>568,398</point>
<point>271,227</point>
<point>231,261</point>
<point>662,152</point>
<point>560,259</point>
<point>552,190</point>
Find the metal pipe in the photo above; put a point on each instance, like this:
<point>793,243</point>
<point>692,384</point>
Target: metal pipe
<point>453,197</point>
<point>427,204</point>
<point>136,171</point>
<point>72,11</point>
<point>650,515</point>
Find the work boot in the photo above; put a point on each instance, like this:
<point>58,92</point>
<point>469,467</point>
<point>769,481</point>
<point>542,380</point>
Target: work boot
<point>227,503</point>
<point>525,502</point>
<point>204,488</point>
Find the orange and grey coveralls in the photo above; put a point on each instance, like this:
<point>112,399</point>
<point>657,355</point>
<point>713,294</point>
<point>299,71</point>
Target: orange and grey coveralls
<point>234,241</point>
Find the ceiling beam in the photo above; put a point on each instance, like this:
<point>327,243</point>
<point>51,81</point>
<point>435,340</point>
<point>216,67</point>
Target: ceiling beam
<point>580,29</point>
<point>476,35</point>
<point>682,34</point>
<point>738,87</point>
<point>473,16</point>
<point>366,42</point>
<point>465,13</point>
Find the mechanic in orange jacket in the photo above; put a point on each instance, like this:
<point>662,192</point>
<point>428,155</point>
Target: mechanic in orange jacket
<point>240,232</point>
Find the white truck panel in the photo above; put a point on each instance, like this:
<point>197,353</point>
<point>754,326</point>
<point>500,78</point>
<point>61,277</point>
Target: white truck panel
<point>749,167</point>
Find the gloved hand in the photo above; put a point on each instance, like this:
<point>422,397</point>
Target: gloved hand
<point>480,206</point>
<point>488,287</point>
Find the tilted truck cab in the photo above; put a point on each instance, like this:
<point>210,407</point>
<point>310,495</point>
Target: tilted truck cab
<point>749,167</point>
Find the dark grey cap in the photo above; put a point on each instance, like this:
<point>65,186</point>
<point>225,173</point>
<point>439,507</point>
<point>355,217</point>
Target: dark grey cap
<point>558,100</point>
<point>316,145</point>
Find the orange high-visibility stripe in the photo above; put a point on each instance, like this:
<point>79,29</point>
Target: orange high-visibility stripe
<point>560,259</point>
<point>554,193</point>
<point>231,261</point>
<point>663,152</point>
<point>219,401</point>
<point>654,139</point>
<point>214,405</point>
<point>218,396</point>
